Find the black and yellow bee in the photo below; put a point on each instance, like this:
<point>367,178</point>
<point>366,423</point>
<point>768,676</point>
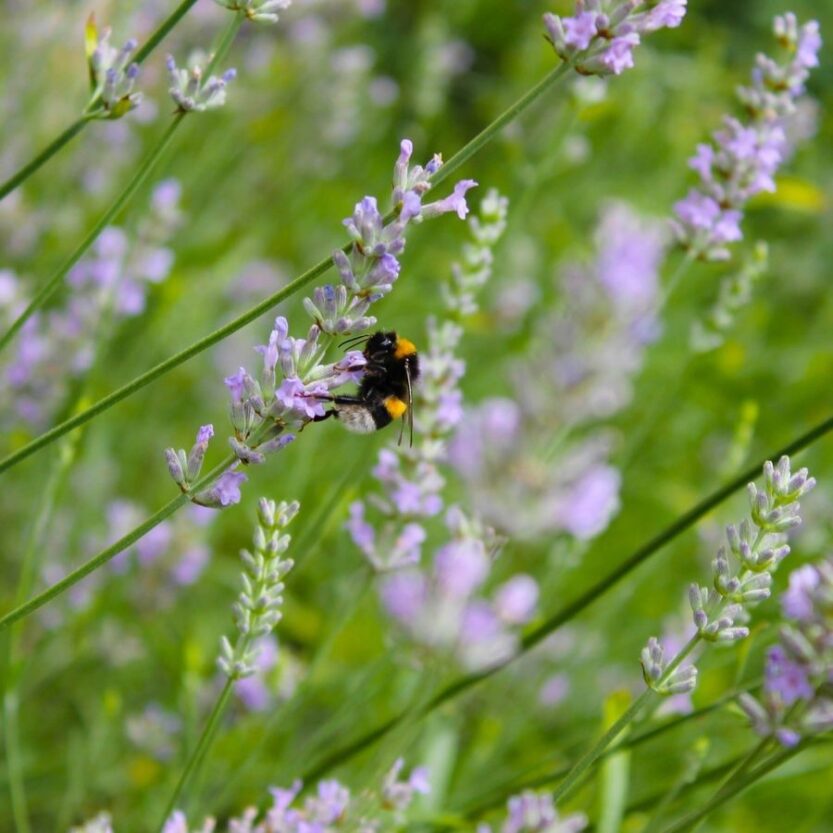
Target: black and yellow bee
<point>386,389</point>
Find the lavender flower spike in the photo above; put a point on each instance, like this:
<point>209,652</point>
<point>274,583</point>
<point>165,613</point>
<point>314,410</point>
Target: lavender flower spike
<point>191,93</point>
<point>112,74</point>
<point>599,39</point>
<point>796,700</point>
<point>741,576</point>
<point>258,608</point>
<point>744,157</point>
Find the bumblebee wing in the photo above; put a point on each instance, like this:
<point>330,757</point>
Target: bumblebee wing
<point>410,406</point>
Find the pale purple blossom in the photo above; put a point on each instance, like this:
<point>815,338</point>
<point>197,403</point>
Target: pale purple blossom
<point>294,396</point>
<point>591,503</point>
<point>455,202</point>
<point>744,158</point>
<point>225,491</point>
<point>404,595</point>
<point>580,30</point>
<point>600,40</point>
<point>797,601</point>
<point>785,678</point>
<point>461,567</point>
<point>516,600</point>
<point>253,691</point>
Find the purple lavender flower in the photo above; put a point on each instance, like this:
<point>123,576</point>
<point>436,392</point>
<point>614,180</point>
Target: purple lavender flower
<point>580,30</point>
<point>593,500</point>
<point>600,40</point>
<point>461,567</point>
<point>190,565</point>
<point>797,602</point>
<point>404,595</point>
<point>294,396</point>
<point>455,203</point>
<point>515,600</point>
<point>294,384</point>
<point>253,691</point>
<point>744,158</point>
<point>225,492</point>
<point>785,678</point>
<point>192,93</point>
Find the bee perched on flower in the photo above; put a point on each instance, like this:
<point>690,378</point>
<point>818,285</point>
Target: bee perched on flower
<point>386,389</point>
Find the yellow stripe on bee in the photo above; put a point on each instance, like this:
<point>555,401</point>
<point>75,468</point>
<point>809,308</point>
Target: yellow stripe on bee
<point>395,407</point>
<point>404,348</point>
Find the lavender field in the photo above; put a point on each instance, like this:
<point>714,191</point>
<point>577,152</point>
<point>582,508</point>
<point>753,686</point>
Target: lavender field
<point>416,416</point>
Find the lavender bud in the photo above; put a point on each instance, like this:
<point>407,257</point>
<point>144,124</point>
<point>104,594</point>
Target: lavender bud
<point>244,453</point>
<point>732,634</point>
<point>175,467</point>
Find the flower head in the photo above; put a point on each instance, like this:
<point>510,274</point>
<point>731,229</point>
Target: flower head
<point>112,73</point>
<point>192,93</point>
<point>600,37</point>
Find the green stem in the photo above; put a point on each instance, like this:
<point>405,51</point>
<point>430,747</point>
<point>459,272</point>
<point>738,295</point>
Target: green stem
<point>200,750</point>
<point>509,115</point>
<point>54,283</point>
<point>153,41</point>
<point>591,755</point>
<point>23,610</point>
<point>729,791</point>
<point>74,129</point>
<point>676,276</point>
<point>44,156</point>
<point>597,750</point>
<point>226,40</point>
<point>268,303</point>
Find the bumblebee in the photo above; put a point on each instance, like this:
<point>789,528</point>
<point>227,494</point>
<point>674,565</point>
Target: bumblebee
<point>386,389</point>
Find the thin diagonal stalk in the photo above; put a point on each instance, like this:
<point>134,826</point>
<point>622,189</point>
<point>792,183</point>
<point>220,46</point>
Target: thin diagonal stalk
<point>155,39</point>
<point>74,129</point>
<point>44,156</point>
<point>509,115</point>
<point>593,594</point>
<point>163,367</point>
<point>200,750</point>
<point>597,750</point>
<point>142,173</point>
<point>135,385</point>
<point>23,610</point>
